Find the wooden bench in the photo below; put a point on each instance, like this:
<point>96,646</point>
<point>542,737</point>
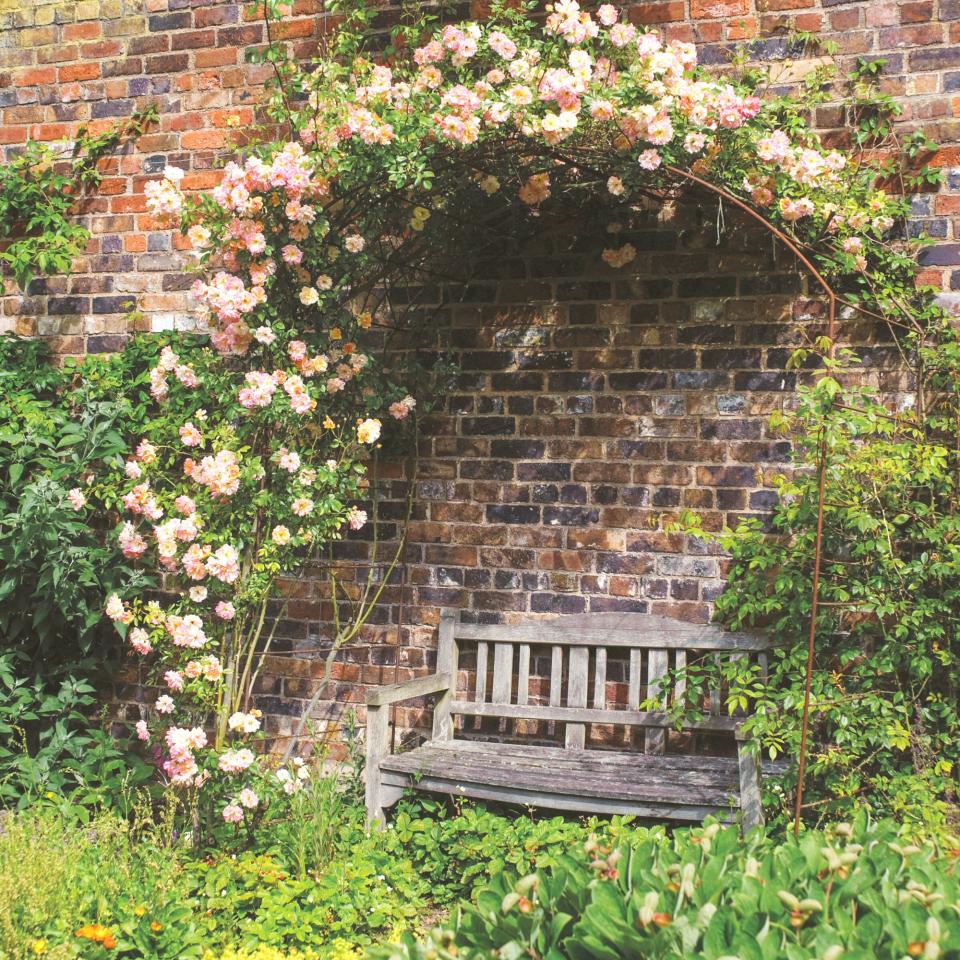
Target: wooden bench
<point>582,652</point>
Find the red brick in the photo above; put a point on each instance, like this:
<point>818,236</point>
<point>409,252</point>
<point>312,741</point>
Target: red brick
<point>661,11</point>
<point>86,30</point>
<point>203,139</point>
<point>919,12</point>
<point>79,71</point>
<point>37,75</point>
<point>101,50</point>
<point>13,134</point>
<point>292,29</point>
<point>192,40</point>
<point>714,9</point>
<point>216,58</point>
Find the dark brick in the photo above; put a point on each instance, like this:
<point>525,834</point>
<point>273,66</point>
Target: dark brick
<point>111,108</point>
<point>162,22</point>
<point>518,449</point>
<point>545,493</point>
<point>570,516</point>
<point>943,254</point>
<point>110,343</point>
<point>548,471</point>
<point>638,380</point>
<point>59,306</point>
<point>114,304</point>
<point>934,58</point>
<point>512,513</point>
<point>761,381</point>
<point>557,603</point>
<point>763,500</point>
<point>729,359</point>
<point>618,605</point>
<point>574,382</point>
<point>488,426</point>
<point>550,360</point>
<point>486,470</point>
<point>508,382</point>
<point>707,287</point>
<point>487,359</point>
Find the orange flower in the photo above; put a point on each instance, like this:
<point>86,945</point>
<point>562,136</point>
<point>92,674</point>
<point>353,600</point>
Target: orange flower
<point>109,942</point>
<point>95,932</point>
<point>156,927</point>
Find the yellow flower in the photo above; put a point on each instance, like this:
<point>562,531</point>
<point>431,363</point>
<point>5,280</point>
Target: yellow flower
<point>336,334</point>
<point>139,911</point>
<point>39,947</point>
<point>328,424</point>
<point>365,319</point>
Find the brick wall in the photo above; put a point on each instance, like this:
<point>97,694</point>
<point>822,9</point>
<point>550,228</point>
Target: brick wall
<point>590,401</point>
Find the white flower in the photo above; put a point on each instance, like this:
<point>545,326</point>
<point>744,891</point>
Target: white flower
<point>173,173</point>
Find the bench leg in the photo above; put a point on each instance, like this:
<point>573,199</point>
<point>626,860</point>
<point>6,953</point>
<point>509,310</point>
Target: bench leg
<point>378,746</point>
<point>751,803</point>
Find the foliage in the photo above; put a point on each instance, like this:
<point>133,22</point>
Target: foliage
<point>884,704</point>
<point>107,888</point>
<point>858,892</point>
<point>50,749</point>
<point>55,565</point>
<point>456,849</point>
<point>39,191</point>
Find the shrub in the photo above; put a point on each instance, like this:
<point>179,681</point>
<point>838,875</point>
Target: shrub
<point>861,893</point>
<point>49,747</point>
<point>55,566</point>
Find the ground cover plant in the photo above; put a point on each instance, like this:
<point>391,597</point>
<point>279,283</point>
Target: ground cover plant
<point>857,891</point>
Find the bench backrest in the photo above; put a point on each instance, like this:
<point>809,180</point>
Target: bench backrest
<point>580,648</point>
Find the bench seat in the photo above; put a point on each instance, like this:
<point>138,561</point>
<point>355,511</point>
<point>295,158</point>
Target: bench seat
<point>588,681</point>
<point>666,786</point>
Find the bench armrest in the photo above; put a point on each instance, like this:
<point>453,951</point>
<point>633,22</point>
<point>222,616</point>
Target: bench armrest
<point>409,689</point>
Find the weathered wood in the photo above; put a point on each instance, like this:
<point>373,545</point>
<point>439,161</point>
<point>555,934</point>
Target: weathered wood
<point>571,777</point>
<point>556,682</point>
<point>636,679</point>
<point>502,673</point>
<point>378,747</point>
<point>447,662</point>
<point>523,674</point>
<point>557,801</point>
<point>751,801</point>
<point>483,655</point>
<point>655,741</point>
<point>617,630</point>
<point>409,689</point>
<point>652,782</point>
<point>600,679</point>
<point>632,718</point>
<point>577,694</point>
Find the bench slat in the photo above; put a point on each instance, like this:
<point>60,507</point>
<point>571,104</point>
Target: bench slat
<point>658,661</point>
<point>652,781</point>
<point>523,674</point>
<point>642,631</point>
<point>577,672</point>
<point>634,718</point>
<point>483,654</point>
<point>600,679</point>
